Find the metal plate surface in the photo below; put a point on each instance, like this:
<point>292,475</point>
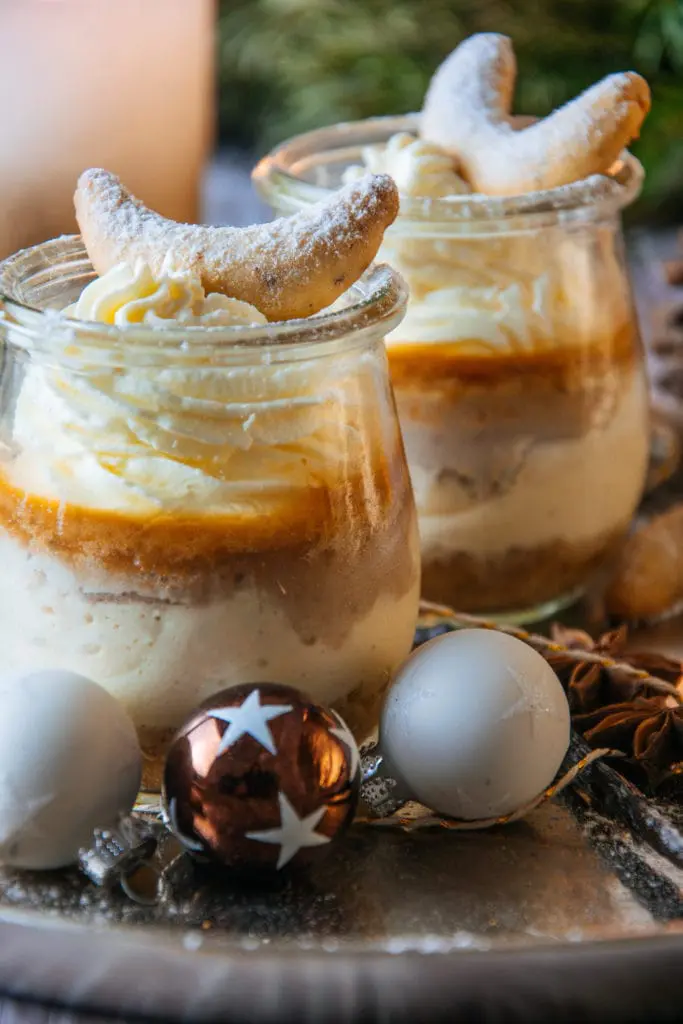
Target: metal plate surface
<point>430,916</point>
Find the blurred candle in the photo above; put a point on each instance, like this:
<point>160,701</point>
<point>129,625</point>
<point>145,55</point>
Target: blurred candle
<point>122,84</point>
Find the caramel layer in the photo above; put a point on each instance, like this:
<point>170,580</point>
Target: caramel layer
<point>349,547</point>
<point>174,545</point>
<point>447,366</point>
<point>518,579</point>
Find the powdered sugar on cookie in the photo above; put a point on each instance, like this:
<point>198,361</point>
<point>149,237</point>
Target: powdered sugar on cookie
<point>292,267</point>
<point>469,142</point>
<point>467,114</point>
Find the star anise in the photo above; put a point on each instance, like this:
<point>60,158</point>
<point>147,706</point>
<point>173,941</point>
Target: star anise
<point>612,709</point>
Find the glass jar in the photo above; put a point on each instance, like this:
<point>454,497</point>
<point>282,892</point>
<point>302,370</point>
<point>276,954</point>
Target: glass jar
<point>186,509</point>
<point>518,374</point>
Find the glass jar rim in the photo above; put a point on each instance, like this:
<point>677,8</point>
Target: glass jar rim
<point>279,174</point>
<point>379,299</point>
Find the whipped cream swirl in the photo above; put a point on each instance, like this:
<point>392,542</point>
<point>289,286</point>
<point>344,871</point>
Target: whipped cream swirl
<point>417,167</point>
<point>125,296</point>
<point>503,291</point>
<point>179,434</point>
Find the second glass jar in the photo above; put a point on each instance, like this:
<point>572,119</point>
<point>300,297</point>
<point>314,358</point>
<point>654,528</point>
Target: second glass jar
<point>517,371</point>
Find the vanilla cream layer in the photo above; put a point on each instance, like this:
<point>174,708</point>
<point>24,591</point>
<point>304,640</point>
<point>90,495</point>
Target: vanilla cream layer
<point>132,295</point>
<point>162,659</point>
<point>570,490</point>
<point>513,293</point>
<point>419,168</point>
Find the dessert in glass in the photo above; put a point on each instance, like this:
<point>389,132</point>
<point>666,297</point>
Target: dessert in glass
<point>517,370</point>
<point>192,496</point>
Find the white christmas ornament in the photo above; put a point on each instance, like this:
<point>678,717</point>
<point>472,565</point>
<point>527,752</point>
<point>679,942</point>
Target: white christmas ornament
<point>69,762</point>
<point>475,725</point>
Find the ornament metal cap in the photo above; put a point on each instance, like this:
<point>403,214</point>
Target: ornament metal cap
<point>380,791</point>
<point>116,852</point>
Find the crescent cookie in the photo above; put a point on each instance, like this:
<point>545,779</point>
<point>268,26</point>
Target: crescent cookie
<point>467,113</point>
<point>292,267</point>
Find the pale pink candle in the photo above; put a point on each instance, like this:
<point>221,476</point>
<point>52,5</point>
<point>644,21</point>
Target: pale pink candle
<point>123,84</point>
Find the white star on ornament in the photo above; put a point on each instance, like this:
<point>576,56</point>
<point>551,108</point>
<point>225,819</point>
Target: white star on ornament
<point>189,841</point>
<point>294,832</point>
<point>344,734</point>
<point>250,718</point>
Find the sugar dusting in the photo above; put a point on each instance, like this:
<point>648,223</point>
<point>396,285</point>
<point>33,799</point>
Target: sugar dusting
<point>330,225</point>
<point>467,112</point>
<point>295,264</point>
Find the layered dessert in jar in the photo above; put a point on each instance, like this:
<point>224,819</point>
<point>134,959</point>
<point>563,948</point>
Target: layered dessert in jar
<point>202,479</point>
<point>517,371</point>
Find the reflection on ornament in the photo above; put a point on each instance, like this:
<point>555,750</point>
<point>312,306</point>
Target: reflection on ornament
<point>18,819</point>
<point>344,734</point>
<point>189,842</point>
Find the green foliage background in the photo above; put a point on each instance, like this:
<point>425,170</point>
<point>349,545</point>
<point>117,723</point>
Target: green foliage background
<point>289,65</point>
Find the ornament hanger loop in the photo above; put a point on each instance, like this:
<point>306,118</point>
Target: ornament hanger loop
<point>145,884</point>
